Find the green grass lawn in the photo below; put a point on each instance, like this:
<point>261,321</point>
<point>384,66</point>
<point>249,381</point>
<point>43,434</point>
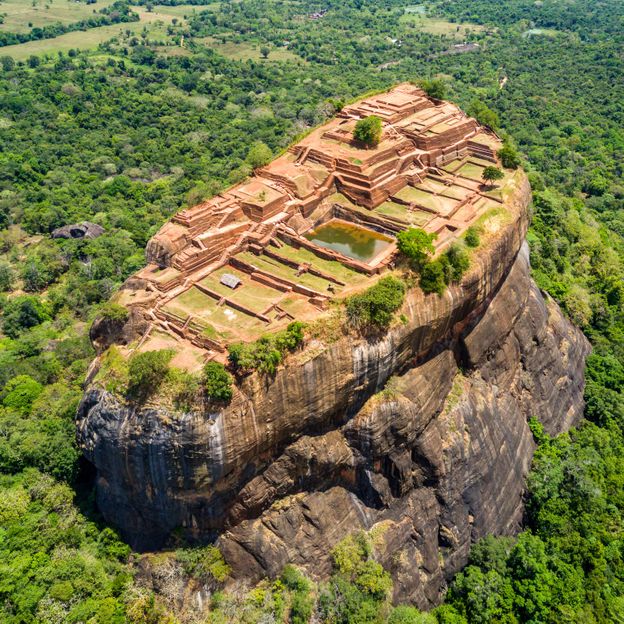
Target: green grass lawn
<point>426,200</point>
<point>154,21</point>
<point>251,294</point>
<point>226,321</point>
<point>23,15</point>
<point>286,272</point>
<point>331,267</point>
<point>437,26</point>
<point>472,171</point>
<point>245,50</point>
<point>79,40</point>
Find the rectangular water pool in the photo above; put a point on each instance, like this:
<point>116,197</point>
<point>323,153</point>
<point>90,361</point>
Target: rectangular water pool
<point>349,239</point>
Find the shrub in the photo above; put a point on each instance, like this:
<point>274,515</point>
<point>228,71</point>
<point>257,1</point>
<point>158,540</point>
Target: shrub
<point>114,312</point>
<point>6,277</point>
<point>472,237</point>
<point>259,155</point>
<point>294,579</point>
<point>268,352</point>
<point>349,553</point>
<point>202,563</point>
<point>433,276</point>
<point>368,130</point>
<point>302,604</point>
<point>376,306</point>
<point>23,312</point>
<point>20,393</point>
<point>458,261</point>
<point>147,371</point>
<point>217,382</point>
<point>435,88</point>
<point>509,156</point>
<point>183,387</point>
<point>416,244</point>
<point>353,560</point>
<point>410,615</point>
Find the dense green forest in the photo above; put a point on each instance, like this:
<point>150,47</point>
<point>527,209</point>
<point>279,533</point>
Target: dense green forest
<point>126,136</point>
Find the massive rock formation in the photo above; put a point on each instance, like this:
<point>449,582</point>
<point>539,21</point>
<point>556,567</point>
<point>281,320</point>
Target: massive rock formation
<point>421,433</point>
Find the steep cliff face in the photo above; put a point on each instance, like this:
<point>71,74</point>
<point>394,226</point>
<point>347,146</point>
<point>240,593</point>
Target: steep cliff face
<point>296,462</point>
<point>434,462</point>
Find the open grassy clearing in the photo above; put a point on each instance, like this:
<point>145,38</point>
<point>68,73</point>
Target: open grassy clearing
<point>436,26</point>
<point>85,39</point>
<point>183,10</point>
<point>167,13</point>
<point>251,294</point>
<point>245,51</point>
<point>419,9</point>
<point>23,15</point>
<point>544,32</point>
<point>226,321</point>
<point>455,192</point>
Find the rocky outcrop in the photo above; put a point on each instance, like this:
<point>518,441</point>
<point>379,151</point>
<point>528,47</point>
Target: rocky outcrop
<point>85,229</point>
<point>421,433</point>
<point>432,463</point>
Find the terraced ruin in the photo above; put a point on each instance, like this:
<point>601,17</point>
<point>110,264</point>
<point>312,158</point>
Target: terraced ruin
<point>317,223</point>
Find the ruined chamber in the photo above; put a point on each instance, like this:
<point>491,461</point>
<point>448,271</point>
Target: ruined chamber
<point>421,433</point>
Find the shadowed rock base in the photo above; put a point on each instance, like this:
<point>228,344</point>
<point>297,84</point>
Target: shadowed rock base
<point>435,462</point>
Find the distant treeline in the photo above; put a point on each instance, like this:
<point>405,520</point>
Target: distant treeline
<point>116,13</point>
<point>171,2</point>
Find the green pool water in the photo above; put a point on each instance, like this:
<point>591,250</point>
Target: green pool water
<point>351,240</point>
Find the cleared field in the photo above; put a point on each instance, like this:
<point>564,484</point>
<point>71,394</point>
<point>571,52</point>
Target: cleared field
<point>168,13</point>
<point>245,51</point>
<point>455,192</point>
<point>544,32</point>
<point>153,21</point>
<point>437,26</point>
<point>183,10</point>
<point>80,40</point>
<point>23,15</point>
<point>403,213</point>
<point>420,9</point>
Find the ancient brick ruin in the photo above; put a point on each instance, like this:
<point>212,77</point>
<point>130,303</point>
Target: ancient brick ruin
<point>425,172</point>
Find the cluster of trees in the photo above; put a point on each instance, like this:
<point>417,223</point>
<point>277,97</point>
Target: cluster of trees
<point>435,275</point>
<point>266,353</point>
<point>116,13</point>
<point>368,131</point>
<point>374,308</point>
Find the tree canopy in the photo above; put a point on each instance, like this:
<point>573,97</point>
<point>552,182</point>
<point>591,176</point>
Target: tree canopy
<point>368,130</point>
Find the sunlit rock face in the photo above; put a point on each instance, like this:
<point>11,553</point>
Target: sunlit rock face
<point>298,461</point>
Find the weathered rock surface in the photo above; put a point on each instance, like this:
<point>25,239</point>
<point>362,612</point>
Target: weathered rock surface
<point>85,229</point>
<point>435,462</point>
<point>297,462</point>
